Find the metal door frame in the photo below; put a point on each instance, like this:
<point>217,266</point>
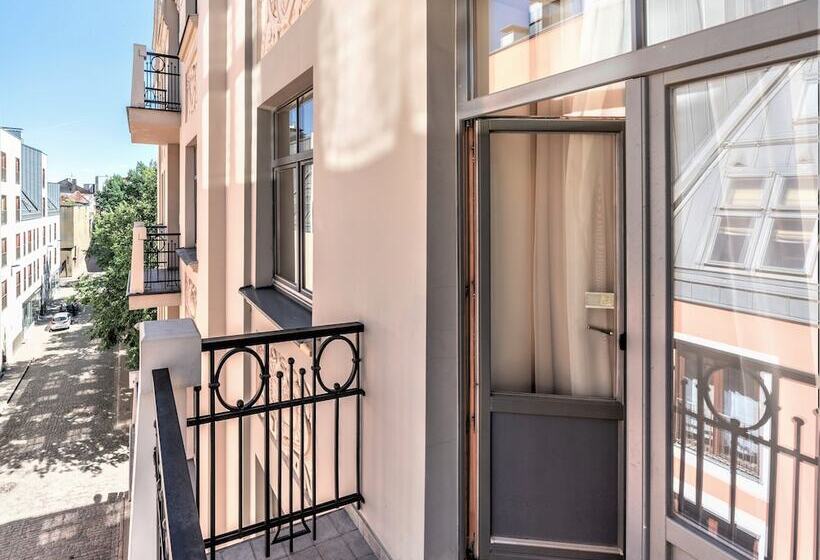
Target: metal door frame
<point>555,405</point>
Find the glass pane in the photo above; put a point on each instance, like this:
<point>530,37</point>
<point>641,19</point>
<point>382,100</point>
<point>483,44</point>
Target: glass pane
<point>789,243</point>
<point>307,224</point>
<point>667,19</point>
<point>745,192</point>
<point>285,140</point>
<point>799,193</point>
<point>286,200</point>
<point>306,122</point>
<point>745,348</point>
<point>518,41</point>
<point>552,258</point>
<point>731,243</point>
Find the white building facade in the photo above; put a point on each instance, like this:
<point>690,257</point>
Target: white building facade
<point>29,238</point>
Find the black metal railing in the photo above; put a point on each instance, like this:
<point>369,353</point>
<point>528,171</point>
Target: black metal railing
<point>161,80</point>
<point>748,448</point>
<point>178,532</point>
<point>285,400</point>
<point>161,262</point>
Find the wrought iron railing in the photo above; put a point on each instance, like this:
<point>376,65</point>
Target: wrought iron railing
<point>750,448</point>
<point>285,400</point>
<point>161,81</point>
<point>178,532</point>
<point>161,262</point>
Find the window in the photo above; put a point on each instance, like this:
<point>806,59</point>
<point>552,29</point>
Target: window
<point>4,295</point>
<point>293,197</point>
<point>4,252</point>
<point>17,171</point>
<point>3,166</point>
<point>743,367</point>
<point>732,240</point>
<point>3,210</point>
<point>28,241</point>
<point>519,41</point>
<point>17,246</point>
<point>17,208</point>
<point>789,244</point>
<point>17,276</point>
<point>667,19</point>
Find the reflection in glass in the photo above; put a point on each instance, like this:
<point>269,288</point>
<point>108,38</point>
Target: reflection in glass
<point>732,240</point>
<point>287,223</point>
<point>518,41</point>
<point>306,122</point>
<point>667,19</point>
<point>307,225</point>
<point>745,313</point>
<point>286,131</point>
<point>552,250</point>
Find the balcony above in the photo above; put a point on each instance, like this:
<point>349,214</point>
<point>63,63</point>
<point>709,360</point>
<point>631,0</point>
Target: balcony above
<point>154,278</point>
<point>154,113</point>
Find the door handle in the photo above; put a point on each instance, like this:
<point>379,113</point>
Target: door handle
<point>607,332</point>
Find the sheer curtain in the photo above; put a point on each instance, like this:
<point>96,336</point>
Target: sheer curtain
<point>552,241</point>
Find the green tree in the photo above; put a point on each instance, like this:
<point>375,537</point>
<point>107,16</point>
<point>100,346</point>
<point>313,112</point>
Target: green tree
<point>123,201</point>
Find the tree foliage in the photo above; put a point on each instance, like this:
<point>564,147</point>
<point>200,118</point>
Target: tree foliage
<point>123,201</point>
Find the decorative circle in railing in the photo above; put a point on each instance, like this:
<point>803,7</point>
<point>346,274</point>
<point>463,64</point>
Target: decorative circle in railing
<point>733,423</point>
<point>354,370</point>
<point>216,384</point>
<point>157,64</point>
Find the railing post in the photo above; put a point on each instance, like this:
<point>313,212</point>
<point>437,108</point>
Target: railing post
<point>137,76</point>
<point>175,345</point>
<point>139,235</point>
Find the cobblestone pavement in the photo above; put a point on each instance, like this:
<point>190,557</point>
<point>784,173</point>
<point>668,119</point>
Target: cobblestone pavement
<point>64,449</point>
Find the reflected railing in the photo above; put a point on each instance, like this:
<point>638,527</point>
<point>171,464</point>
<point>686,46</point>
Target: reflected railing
<point>728,437</point>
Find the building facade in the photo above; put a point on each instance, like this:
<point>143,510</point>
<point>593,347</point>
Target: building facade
<point>571,245</point>
<point>75,234</point>
<point>29,238</point>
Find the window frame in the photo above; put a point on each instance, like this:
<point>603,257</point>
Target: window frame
<point>3,168</point>
<point>298,161</point>
<point>672,529</point>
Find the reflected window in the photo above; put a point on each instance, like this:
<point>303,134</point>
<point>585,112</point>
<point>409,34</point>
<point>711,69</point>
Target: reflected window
<point>744,192</point>
<point>518,41</point>
<point>789,243</point>
<point>293,198</point>
<point>732,240</point>
<point>667,19</point>
<point>744,364</point>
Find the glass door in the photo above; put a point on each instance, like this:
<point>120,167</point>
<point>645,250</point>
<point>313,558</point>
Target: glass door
<point>550,322</point>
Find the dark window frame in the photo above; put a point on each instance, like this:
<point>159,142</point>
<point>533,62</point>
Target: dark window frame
<point>298,162</point>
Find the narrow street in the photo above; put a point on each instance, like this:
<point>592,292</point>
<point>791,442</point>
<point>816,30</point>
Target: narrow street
<point>63,447</point>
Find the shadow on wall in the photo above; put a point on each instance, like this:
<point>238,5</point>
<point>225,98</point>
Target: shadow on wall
<point>372,87</point>
<point>68,414</point>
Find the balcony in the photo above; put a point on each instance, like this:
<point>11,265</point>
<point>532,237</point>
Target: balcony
<point>154,278</point>
<point>220,420</point>
<point>154,113</point>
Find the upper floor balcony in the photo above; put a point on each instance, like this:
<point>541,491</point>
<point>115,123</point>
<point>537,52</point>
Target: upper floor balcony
<point>154,279</point>
<point>154,112</point>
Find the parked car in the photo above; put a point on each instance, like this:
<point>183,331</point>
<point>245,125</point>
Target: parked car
<point>60,321</point>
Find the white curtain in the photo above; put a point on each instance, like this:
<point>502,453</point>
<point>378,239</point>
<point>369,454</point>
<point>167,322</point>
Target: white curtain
<point>552,241</point>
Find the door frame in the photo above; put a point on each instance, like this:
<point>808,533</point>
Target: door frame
<point>612,409</point>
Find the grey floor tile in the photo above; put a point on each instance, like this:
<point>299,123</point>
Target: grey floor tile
<point>325,528</point>
<point>335,549</point>
<point>357,545</point>
<point>342,521</point>
<point>241,551</point>
<point>276,550</point>
<point>308,554</point>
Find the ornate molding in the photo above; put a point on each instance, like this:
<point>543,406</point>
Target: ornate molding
<point>276,17</point>
<point>190,91</point>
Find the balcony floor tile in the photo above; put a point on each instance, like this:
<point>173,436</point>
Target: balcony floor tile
<point>337,539</point>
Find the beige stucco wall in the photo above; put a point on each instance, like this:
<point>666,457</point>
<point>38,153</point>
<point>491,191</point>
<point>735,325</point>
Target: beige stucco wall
<point>367,65</point>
